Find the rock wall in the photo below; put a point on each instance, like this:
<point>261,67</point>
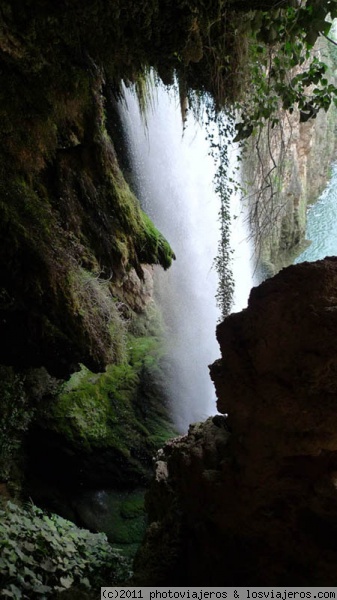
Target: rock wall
<point>284,169</point>
<point>252,499</point>
<point>75,247</point>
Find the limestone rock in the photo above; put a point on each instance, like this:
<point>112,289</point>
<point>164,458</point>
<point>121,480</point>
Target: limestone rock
<point>252,499</point>
<point>137,293</point>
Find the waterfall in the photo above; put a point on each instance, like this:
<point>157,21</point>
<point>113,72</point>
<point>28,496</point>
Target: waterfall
<point>172,175</point>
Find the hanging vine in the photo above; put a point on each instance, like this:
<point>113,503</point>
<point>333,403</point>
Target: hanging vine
<point>220,133</point>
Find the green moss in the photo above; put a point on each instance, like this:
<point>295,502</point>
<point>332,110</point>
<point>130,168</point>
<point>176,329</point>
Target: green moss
<point>81,416</point>
<point>133,506</point>
<point>26,211</point>
<point>66,213</point>
<point>144,351</point>
<point>89,413</point>
<point>148,323</point>
<point>122,409</point>
<point>117,420</point>
<point>136,238</point>
<point>154,247</point>
<point>126,518</point>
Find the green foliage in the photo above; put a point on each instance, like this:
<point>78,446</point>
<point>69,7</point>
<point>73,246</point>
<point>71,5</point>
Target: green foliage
<point>42,555</point>
<point>284,72</point>
<point>220,129</point>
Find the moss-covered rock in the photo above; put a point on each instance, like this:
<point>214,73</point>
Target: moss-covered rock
<point>53,313</point>
<point>120,514</point>
<point>101,431</point>
<point>104,410</point>
<point>65,207</point>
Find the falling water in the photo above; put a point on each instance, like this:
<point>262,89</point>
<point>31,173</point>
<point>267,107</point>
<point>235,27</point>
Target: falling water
<point>173,178</point>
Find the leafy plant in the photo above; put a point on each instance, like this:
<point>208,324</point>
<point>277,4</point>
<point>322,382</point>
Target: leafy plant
<point>224,188</point>
<point>285,73</point>
<point>41,555</point>
<point>220,130</point>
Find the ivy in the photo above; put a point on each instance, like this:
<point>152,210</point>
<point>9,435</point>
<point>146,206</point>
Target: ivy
<point>220,131</point>
<point>42,555</point>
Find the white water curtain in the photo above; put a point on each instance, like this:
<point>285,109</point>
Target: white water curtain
<point>173,177</point>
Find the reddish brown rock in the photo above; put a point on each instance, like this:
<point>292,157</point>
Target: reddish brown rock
<point>252,499</point>
<point>279,366</point>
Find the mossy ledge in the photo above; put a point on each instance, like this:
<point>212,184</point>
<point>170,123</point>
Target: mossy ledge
<point>68,218</point>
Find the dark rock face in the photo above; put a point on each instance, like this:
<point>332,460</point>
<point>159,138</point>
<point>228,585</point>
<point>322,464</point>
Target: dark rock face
<point>279,363</point>
<point>72,233</point>
<point>252,500</point>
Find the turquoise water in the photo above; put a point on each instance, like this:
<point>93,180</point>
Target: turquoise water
<point>322,224</point>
